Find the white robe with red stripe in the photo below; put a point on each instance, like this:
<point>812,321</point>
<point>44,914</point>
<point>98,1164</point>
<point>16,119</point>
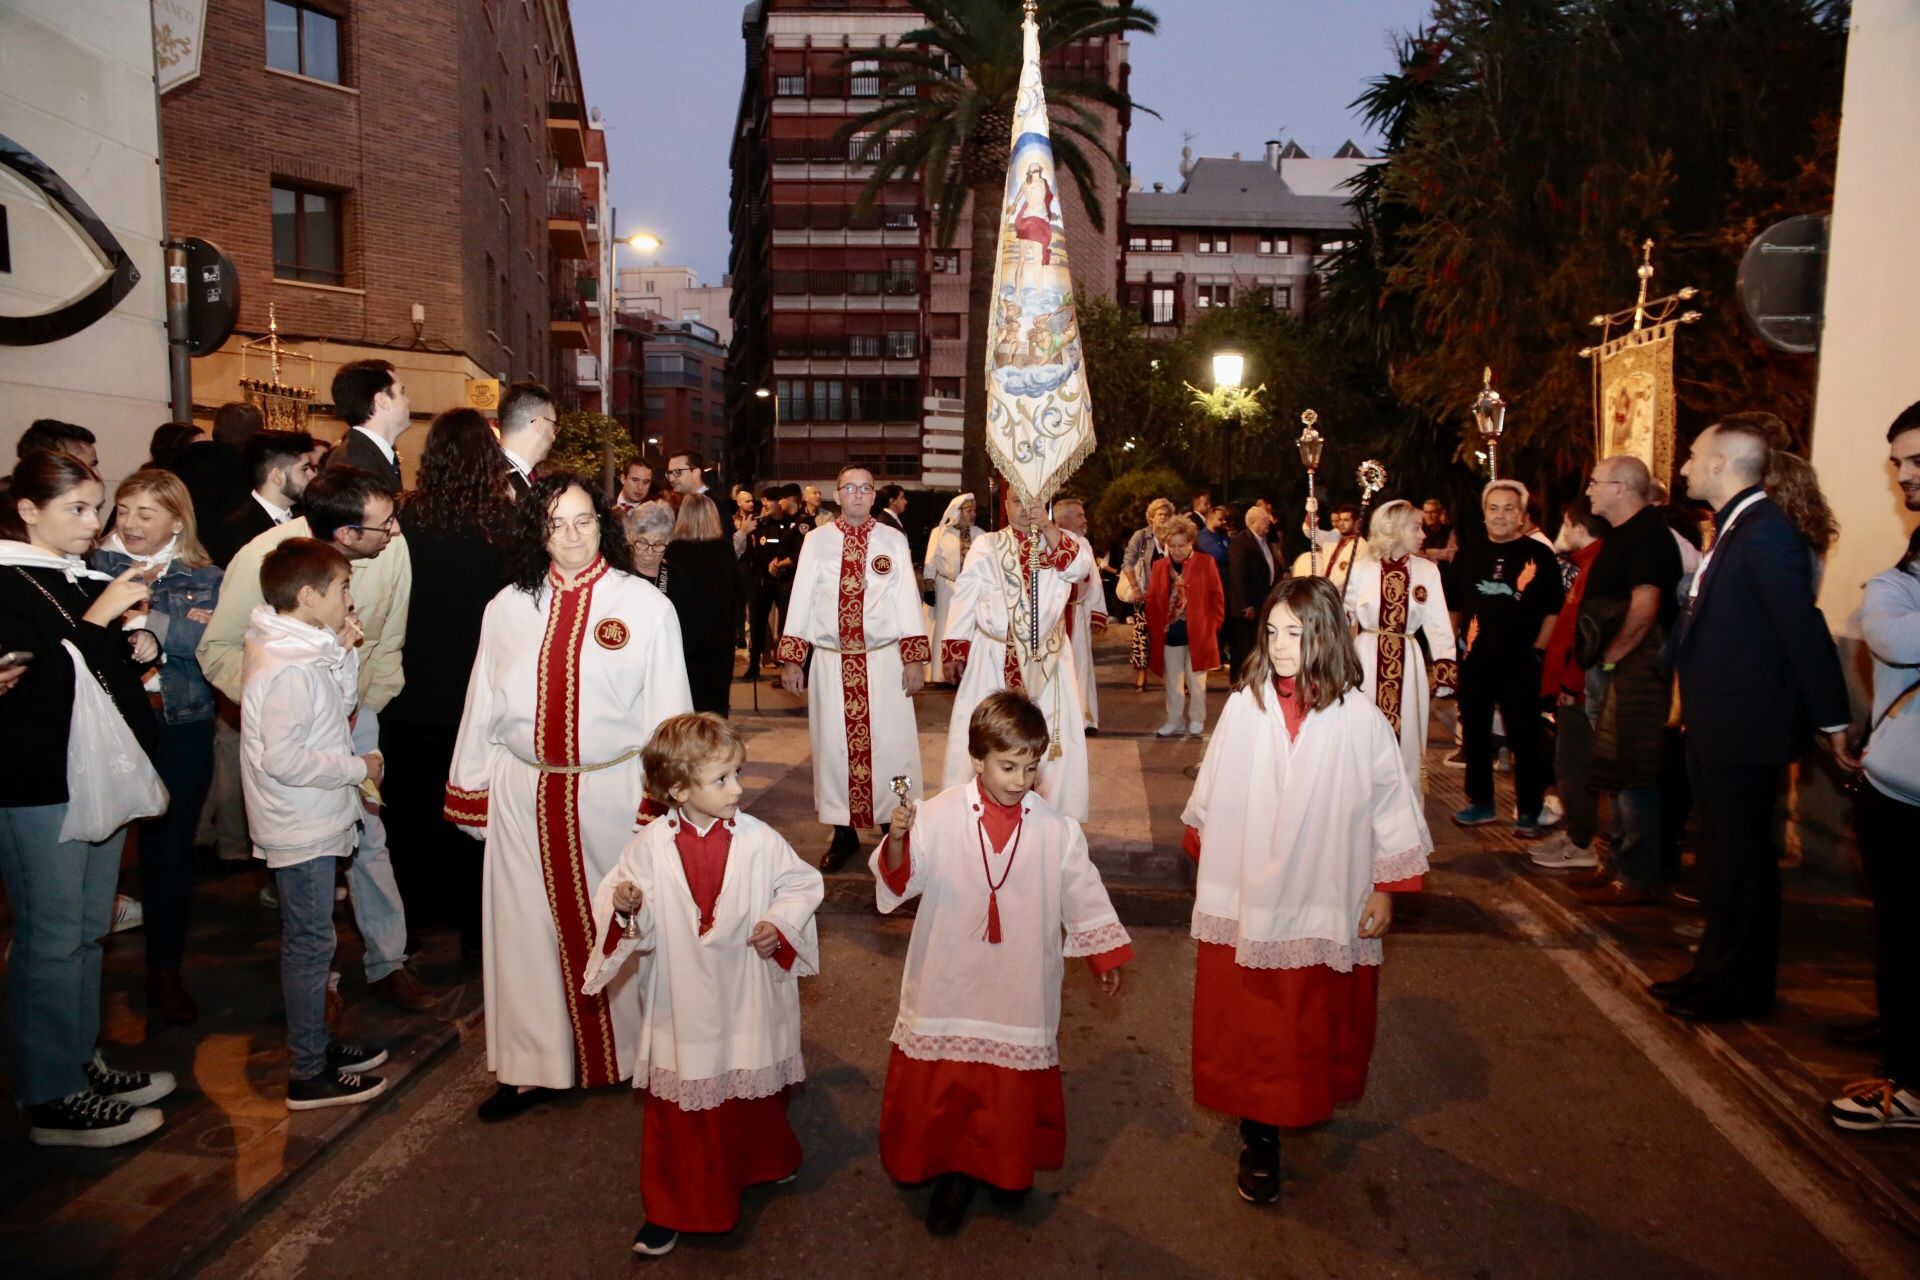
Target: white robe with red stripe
<point>1089,607</point>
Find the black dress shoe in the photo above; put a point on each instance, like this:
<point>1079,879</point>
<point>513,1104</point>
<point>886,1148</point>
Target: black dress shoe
<point>510,1100</point>
<point>845,844</point>
<point>1859,1035</point>
<point>1673,988</point>
<point>1704,1006</point>
<point>948,1209</point>
<point>1258,1180</point>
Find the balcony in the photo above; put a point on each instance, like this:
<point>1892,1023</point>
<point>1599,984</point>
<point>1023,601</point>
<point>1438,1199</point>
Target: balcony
<point>567,322</point>
<point>566,136</point>
<point>586,370</point>
<point>566,220</point>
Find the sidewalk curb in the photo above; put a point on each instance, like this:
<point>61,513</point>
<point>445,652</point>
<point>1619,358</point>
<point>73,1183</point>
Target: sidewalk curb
<point>1804,1121</point>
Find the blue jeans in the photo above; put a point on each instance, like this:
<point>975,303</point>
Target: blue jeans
<point>377,908</point>
<point>1635,817</point>
<point>306,958</point>
<point>62,894</point>
<point>183,757</point>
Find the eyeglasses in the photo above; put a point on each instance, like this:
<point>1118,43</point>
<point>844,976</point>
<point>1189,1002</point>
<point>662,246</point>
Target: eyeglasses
<point>681,471</point>
<point>859,490</point>
<point>391,527</point>
<point>646,544</point>
<point>580,524</point>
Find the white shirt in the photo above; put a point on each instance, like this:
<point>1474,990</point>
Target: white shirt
<point>386,449</point>
<point>518,463</point>
<point>279,515</point>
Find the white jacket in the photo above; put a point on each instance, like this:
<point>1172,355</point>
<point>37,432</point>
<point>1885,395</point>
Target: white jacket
<point>298,769</point>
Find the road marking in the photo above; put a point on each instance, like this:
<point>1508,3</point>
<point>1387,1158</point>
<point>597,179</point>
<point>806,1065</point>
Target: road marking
<point>1859,1239</point>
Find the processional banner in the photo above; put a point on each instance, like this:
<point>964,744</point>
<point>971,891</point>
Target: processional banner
<point>1633,397</point>
<point>1039,421</point>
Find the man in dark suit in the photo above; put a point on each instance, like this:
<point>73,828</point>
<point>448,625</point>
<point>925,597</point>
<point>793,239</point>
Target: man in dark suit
<point>215,470</point>
<point>370,399</point>
<point>529,423</point>
<point>1250,574</point>
<point>889,505</point>
<point>277,464</point>
<point>1758,674</point>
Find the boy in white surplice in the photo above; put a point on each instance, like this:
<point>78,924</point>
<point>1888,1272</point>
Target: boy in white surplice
<point>719,910</point>
<point>1006,892</point>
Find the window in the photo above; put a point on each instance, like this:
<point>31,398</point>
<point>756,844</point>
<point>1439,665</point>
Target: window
<point>1213,295</point>
<point>945,264</point>
<point>946,388</point>
<point>829,400</point>
<point>303,41</point>
<point>900,220</point>
<point>860,148</point>
<point>790,86</point>
<point>306,236</point>
<point>1162,312</point>
<point>792,396</point>
<point>1273,242</point>
<point>863,346</point>
<point>1280,297</point>
<point>902,344</point>
<point>903,276</point>
<point>656,406</point>
<point>1213,242</point>
<point>1330,246</point>
<point>866,78</point>
<point>1150,242</point>
<point>1160,244</point>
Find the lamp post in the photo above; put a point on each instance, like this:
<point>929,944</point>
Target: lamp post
<point>1490,420</point>
<point>1229,367</point>
<point>1310,444</point>
<point>773,403</point>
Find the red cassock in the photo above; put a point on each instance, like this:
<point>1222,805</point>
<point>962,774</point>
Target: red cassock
<point>694,1165</point>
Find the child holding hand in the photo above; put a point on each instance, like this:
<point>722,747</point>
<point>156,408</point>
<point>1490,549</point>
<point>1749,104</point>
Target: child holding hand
<point>718,909</point>
<point>1305,825</point>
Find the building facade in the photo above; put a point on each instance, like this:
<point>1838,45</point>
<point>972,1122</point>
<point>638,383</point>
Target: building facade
<point>685,389</point>
<point>1236,229</point>
<point>675,293</point>
<point>409,182</point>
<point>855,322</point>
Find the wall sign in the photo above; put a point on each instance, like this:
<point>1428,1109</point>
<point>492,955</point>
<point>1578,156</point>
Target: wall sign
<point>76,259</point>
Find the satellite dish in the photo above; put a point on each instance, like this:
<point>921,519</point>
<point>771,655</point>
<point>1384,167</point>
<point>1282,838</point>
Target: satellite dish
<point>1783,284</point>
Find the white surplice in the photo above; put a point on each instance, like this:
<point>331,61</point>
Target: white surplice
<point>991,598</point>
<point>1424,602</point>
<point>1089,606</point>
<point>947,548</point>
<point>719,1021</point>
<point>631,675</point>
<point>856,609</point>
<point>1338,556</point>
<point>1294,834</point>
<point>962,998</point>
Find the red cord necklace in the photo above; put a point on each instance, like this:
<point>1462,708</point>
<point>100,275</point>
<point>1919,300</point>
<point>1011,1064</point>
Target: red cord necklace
<point>993,890</point>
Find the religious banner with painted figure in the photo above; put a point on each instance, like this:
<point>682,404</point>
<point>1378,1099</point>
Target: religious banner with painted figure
<point>1039,421</point>
<point>1634,404</point>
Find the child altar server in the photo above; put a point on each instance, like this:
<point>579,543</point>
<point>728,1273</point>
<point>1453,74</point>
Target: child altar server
<point>719,911</point>
<point>1304,824</point>
<point>1006,891</point>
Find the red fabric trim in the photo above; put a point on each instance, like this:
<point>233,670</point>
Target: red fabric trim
<point>1098,618</point>
<point>1063,554</point>
<point>856,693</point>
<point>468,808</point>
<point>703,859</point>
<point>954,650</point>
<point>1190,843</point>
<point>1412,884</point>
<point>1108,960</point>
<point>792,649</point>
<point>695,1164</point>
<point>556,741</point>
<point>614,934</point>
<point>897,880</point>
<point>1390,650</point>
<point>992,1123</point>
<point>784,955</point>
<point>1446,672</point>
<point>916,649</point>
<point>649,810</point>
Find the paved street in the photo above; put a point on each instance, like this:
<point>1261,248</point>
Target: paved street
<point>1524,1118</point>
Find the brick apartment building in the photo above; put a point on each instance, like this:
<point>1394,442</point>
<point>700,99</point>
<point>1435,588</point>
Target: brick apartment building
<point>685,389</point>
<point>855,324</point>
<point>411,182</point>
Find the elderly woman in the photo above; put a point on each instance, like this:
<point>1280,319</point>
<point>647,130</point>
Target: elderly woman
<point>1143,549</point>
<point>62,890</point>
<point>154,532</point>
<point>701,582</point>
<point>579,660</point>
<point>947,548</point>
<point>1392,593</point>
<point>1186,604</point>
<point>649,528</point>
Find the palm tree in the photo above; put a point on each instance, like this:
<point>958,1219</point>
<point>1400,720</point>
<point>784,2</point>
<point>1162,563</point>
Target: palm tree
<point>946,120</point>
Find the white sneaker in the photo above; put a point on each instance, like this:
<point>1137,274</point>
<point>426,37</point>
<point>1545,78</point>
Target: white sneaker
<point>1875,1104</point>
<point>1198,729</point>
<point>1551,811</point>
<point>127,913</point>
<point>1169,730</point>
<point>269,899</point>
<point>1558,853</point>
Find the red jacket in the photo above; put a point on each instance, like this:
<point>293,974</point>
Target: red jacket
<point>1206,610</point>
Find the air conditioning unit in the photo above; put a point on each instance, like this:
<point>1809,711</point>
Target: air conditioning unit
<point>586,369</point>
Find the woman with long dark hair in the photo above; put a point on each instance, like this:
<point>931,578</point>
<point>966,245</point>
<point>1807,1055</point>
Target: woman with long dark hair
<point>155,533</point>
<point>579,660</point>
<point>457,525</point>
<point>62,890</point>
<point>704,590</point>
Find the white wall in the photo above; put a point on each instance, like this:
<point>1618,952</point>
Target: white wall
<point>76,89</point>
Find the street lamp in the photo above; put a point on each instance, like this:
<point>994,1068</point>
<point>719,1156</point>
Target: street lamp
<point>644,241</point>
<point>1229,367</point>
<point>1310,444</point>
<point>773,403</point>
<point>1490,419</point>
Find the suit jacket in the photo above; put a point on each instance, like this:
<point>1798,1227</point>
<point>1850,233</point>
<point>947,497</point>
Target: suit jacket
<point>1757,665</point>
<point>356,450</point>
<point>1249,577</point>
<point>248,521</point>
<point>521,485</point>
<point>887,517</point>
<point>215,474</point>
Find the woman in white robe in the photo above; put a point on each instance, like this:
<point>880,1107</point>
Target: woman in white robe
<point>1392,594</point>
<point>947,548</point>
<point>578,661</point>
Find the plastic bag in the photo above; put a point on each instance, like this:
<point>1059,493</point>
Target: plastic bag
<point>110,781</point>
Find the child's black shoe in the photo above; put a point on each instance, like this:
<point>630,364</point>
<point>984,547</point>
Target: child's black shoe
<point>951,1196</point>
<point>653,1240</point>
<point>1259,1178</point>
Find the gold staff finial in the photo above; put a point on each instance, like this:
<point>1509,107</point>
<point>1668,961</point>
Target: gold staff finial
<point>1645,272</point>
<point>1033,8</point>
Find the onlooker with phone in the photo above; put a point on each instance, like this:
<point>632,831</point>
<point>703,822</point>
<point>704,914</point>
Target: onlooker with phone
<point>62,890</point>
<point>154,533</point>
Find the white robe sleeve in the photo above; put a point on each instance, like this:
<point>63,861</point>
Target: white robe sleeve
<point>798,890</point>
<point>471,774</point>
<point>930,567</point>
<point>1093,926</point>
<point>635,865</point>
<point>1218,746</point>
<point>977,575</point>
<point>1081,565</point>
<point>1438,626</point>
<point>1401,841</point>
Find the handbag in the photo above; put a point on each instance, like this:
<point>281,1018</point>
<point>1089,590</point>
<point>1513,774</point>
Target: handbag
<point>1856,780</point>
<point>110,781</point>
<point>1127,590</point>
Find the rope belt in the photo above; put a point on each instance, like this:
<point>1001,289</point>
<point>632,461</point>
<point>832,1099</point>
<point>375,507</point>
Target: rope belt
<point>579,768</point>
<point>856,653</point>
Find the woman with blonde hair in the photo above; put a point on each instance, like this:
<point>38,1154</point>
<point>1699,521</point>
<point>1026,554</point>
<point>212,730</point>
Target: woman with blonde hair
<point>698,569</point>
<point>1393,593</point>
<point>1144,548</point>
<point>154,531</point>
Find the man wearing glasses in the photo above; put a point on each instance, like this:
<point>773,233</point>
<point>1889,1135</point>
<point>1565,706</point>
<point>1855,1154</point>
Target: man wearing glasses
<point>354,511</point>
<point>687,473</point>
<point>855,610</point>
<point>529,422</point>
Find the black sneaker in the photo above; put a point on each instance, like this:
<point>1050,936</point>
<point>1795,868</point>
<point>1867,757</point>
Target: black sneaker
<point>128,1088</point>
<point>353,1058</point>
<point>333,1088</point>
<point>1259,1178</point>
<point>653,1240</point>
<point>89,1120</point>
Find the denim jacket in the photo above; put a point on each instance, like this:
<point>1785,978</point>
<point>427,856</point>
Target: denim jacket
<point>185,695</point>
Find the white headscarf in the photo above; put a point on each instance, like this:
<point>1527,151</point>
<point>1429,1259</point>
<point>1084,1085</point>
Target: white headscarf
<point>952,517</point>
